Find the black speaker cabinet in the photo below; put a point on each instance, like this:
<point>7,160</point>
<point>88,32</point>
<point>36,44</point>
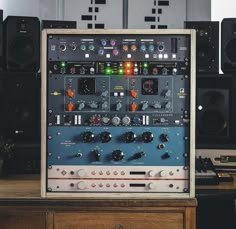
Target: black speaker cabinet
<point>22,43</point>
<point>228,45</point>
<point>20,107</point>
<point>216,107</point>
<point>1,39</point>
<point>25,160</point>
<point>207,38</point>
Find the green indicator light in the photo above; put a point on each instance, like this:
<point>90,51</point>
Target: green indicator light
<point>63,64</point>
<point>145,65</point>
<point>120,71</point>
<point>108,71</point>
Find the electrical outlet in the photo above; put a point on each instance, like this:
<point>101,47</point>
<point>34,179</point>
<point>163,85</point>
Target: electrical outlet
<point>95,14</point>
<point>156,14</point>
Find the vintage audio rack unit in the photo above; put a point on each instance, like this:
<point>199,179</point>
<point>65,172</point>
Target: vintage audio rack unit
<point>118,113</point>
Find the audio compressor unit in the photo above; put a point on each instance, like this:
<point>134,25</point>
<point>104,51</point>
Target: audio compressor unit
<point>118,113</point>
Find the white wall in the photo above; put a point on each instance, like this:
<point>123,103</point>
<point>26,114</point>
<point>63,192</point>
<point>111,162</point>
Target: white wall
<point>43,9</point>
<point>222,9</point>
<point>199,10</point>
<point>54,9</point>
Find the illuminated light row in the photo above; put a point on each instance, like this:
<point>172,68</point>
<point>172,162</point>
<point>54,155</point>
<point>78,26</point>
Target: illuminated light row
<point>127,69</point>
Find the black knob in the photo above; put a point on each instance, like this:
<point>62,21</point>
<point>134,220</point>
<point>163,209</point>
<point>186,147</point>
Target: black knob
<point>88,136</point>
<point>164,138</point>
<point>105,136</point>
<point>147,136</point>
<point>165,156</point>
<point>138,155</point>
<point>96,155</point>
<point>117,155</point>
<point>129,137</point>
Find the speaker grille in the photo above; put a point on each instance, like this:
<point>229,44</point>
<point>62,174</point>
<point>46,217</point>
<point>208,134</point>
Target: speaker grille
<point>207,51</point>
<point>228,45</point>
<point>20,102</point>
<point>22,43</point>
<point>216,108</point>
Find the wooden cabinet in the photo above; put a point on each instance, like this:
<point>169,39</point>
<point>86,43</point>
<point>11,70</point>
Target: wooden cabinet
<point>22,219</point>
<point>22,208</point>
<point>97,214</point>
<point>119,220</point>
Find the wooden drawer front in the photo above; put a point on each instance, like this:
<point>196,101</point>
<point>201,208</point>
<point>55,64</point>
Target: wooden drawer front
<point>22,220</point>
<point>118,220</point>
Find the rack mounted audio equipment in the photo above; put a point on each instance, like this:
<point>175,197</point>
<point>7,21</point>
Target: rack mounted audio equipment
<point>118,113</point>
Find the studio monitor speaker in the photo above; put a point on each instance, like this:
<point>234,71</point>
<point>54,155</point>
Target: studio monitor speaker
<point>228,45</point>
<point>22,43</point>
<point>20,107</point>
<point>216,107</point>
<point>207,51</point>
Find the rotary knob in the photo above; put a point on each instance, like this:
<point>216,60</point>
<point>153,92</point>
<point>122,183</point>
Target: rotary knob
<point>70,92</point>
<point>117,155</point>
<point>167,105</point>
<point>96,155</point>
<point>101,52</point>
<point>147,136</point>
<point>163,173</point>
<point>151,186</point>
<point>106,137</point>
<point>82,173</point>
<point>105,93</point>
<point>164,138</point>
<point>70,106</point>
<point>133,93</point>
<point>129,137</point>
<point>118,106</point>
<point>115,52</point>
<point>126,120</point>
<point>151,173</point>
<point>115,121</point>
<point>133,106</point>
<point>103,42</point>
<point>88,136</point>
<point>81,185</point>
<point>94,120</point>
<point>105,120</point>
<point>139,155</point>
<point>144,106</point>
<point>156,105</point>
<point>93,105</point>
<point>81,106</point>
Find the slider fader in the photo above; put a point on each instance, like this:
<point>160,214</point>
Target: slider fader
<point>118,113</point>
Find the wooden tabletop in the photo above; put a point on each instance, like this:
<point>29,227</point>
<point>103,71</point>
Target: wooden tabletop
<point>20,186</point>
